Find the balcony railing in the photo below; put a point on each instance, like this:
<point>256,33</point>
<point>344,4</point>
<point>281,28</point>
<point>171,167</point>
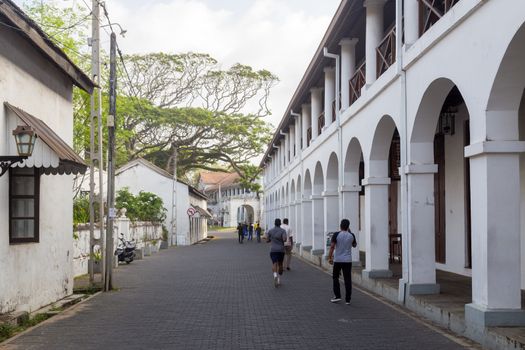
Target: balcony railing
<point>308,136</point>
<point>430,11</point>
<point>320,123</point>
<point>357,82</point>
<point>386,52</point>
<point>334,110</point>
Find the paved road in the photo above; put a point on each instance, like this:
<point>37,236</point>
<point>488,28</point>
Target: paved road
<point>219,295</point>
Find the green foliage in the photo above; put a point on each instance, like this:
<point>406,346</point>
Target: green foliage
<point>81,210</point>
<point>145,206</point>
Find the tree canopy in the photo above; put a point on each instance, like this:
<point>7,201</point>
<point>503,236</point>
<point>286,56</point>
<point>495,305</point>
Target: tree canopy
<point>183,104</point>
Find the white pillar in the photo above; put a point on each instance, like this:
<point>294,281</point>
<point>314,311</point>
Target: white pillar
<point>374,35</point>
<point>298,222</point>
<point>495,208</point>
<point>329,94</point>
<point>420,238</point>
<point>317,214</point>
<point>331,215</point>
<point>376,222</point>
<point>348,66</point>
<point>306,224</point>
<point>291,141</point>
<point>411,18</point>
<point>298,132</point>
<point>306,122</point>
<point>317,108</point>
<point>351,212</point>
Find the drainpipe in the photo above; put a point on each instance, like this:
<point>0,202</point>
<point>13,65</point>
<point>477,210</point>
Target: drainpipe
<point>404,149</point>
<point>338,121</point>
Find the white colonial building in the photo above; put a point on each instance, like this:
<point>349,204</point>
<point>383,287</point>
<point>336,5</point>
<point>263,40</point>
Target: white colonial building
<point>229,202</point>
<point>417,136</point>
<point>36,200</point>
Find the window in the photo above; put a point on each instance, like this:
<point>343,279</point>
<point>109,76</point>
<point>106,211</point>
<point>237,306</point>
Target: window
<point>24,196</point>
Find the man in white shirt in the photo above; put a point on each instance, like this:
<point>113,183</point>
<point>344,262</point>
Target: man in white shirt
<point>288,245</point>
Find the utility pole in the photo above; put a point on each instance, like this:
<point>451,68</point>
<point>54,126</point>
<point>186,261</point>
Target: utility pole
<point>95,151</point>
<point>174,198</point>
<point>111,162</point>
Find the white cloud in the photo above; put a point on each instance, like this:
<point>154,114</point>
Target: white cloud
<point>270,34</point>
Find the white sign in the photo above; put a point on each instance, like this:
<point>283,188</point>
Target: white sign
<point>191,211</point>
<point>112,213</point>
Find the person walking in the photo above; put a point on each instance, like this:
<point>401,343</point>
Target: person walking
<point>258,231</point>
<point>288,245</point>
<point>240,233</point>
<point>342,243</point>
<point>250,232</point>
<point>276,236</point>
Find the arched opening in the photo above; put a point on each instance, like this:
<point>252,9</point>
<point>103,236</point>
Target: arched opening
<point>331,197</point>
<point>246,214</point>
<point>318,211</point>
<point>292,217</point>
<point>354,196</point>
<point>440,234</point>
<point>307,214</point>
<point>299,231</point>
<point>382,202</point>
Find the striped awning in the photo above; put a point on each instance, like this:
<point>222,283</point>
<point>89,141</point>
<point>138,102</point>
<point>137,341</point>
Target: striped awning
<point>51,153</point>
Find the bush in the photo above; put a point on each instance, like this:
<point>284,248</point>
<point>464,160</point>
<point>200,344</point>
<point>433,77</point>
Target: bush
<point>81,210</point>
<point>145,206</point>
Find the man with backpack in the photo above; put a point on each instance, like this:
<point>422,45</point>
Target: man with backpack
<point>342,243</point>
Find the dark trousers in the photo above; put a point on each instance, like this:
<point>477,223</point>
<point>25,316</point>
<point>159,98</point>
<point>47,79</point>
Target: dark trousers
<point>241,237</point>
<point>347,276</point>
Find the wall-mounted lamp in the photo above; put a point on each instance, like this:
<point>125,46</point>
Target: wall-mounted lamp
<point>447,121</point>
<point>25,138</point>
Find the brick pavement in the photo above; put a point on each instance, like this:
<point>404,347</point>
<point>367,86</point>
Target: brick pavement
<point>219,295</point>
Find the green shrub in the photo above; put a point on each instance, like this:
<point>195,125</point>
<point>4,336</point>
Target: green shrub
<point>145,206</point>
<point>81,210</point>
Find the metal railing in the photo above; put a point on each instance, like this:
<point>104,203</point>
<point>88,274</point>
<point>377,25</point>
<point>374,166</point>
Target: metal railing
<point>386,52</point>
<point>431,11</point>
<point>320,123</point>
<point>357,81</point>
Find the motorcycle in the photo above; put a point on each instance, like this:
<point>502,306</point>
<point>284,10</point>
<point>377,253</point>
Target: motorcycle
<point>125,250</point>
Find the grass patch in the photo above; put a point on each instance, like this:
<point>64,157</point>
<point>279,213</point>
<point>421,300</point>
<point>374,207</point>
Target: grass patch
<point>8,330</point>
<point>220,228</point>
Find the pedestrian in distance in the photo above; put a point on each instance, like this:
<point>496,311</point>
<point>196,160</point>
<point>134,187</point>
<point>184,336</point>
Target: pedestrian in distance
<point>276,236</point>
<point>244,230</point>
<point>342,243</point>
<point>258,232</point>
<point>288,245</point>
<point>250,232</point>
<point>240,233</point>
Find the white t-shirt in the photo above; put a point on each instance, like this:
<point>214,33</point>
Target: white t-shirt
<point>289,234</point>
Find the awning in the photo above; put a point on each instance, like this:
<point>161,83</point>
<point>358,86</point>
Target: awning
<point>52,154</point>
<point>201,211</point>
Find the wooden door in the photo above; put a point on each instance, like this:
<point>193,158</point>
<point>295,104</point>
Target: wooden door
<point>393,165</point>
<point>468,228</point>
<point>439,198</point>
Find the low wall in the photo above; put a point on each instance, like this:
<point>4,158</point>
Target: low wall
<point>143,233</point>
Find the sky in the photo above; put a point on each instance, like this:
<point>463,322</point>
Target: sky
<point>278,35</point>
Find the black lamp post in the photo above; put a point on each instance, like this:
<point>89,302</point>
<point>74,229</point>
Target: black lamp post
<point>25,138</point>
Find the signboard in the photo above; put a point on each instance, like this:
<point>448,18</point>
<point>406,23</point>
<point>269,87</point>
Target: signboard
<point>191,211</point>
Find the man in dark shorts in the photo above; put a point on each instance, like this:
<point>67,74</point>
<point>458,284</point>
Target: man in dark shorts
<point>277,236</point>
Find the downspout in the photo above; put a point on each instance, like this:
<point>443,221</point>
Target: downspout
<point>404,150</point>
<point>338,121</point>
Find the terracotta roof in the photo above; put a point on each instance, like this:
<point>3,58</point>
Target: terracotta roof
<point>69,160</point>
<point>214,179</point>
<point>201,211</point>
<point>39,39</point>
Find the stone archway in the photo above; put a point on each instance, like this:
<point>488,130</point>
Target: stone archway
<point>307,213</point>
<point>318,211</point>
<point>331,197</point>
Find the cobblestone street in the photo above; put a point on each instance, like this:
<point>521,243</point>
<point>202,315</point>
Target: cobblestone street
<point>219,295</point>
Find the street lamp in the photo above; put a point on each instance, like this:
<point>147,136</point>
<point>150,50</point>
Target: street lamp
<point>25,138</point>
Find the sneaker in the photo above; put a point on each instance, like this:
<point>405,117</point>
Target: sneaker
<point>278,281</point>
<point>275,281</point>
<point>335,300</point>
<point>288,268</point>
<point>347,303</point>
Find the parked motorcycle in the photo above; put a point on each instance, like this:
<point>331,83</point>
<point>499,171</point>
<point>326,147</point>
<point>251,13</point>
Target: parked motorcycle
<point>125,250</point>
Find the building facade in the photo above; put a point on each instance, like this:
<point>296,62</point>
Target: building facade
<point>179,199</point>
<point>417,137</point>
<point>229,203</point>
<point>36,200</point>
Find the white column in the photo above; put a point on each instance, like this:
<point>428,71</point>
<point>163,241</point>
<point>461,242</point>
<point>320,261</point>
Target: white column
<point>317,214</point>
<point>420,238</point>
<point>317,108</point>
<point>291,141</point>
<point>351,212</point>
<point>298,222</point>
<point>329,93</point>
<point>376,222</point>
<point>306,122</point>
<point>374,35</point>
<point>298,132</point>
<point>331,215</point>
<point>306,224</point>
<point>286,148</point>
<point>348,66</point>
<point>495,208</point>
<point>411,18</point>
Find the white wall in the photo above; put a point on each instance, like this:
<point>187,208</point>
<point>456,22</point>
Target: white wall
<point>36,274</point>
